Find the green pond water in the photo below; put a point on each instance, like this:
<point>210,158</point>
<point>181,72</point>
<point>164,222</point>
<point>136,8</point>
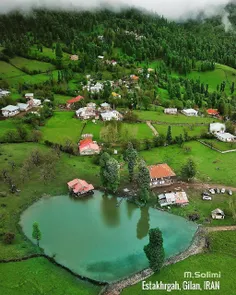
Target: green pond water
<point>96,239</point>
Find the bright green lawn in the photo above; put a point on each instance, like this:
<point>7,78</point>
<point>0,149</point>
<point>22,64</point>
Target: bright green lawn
<point>172,119</point>
<point>48,52</point>
<point>39,276</point>
<point>177,130</point>
<point>216,77</point>
<point>222,258</point>
<point>5,125</point>
<point>212,166</point>
<point>8,71</point>
<point>222,146</point>
<point>62,126</point>
<point>31,65</point>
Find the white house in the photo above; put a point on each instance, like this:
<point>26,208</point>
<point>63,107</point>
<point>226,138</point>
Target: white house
<point>96,88</point>
<point>4,93</point>
<point>101,57</point>
<point>105,106</point>
<point>29,95</point>
<point>111,115</point>
<point>85,113</point>
<point>171,111</point>
<point>34,102</point>
<point>24,107</point>
<point>217,128</point>
<point>226,137</point>
<point>190,112</point>
<point>10,111</point>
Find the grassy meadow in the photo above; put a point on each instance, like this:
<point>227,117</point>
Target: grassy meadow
<point>212,166</point>
<point>31,65</point>
<point>39,276</point>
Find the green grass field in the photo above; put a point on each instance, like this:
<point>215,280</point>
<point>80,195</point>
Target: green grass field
<point>62,126</point>
<point>222,146</point>
<point>216,77</point>
<point>5,125</point>
<point>39,276</point>
<point>212,166</point>
<point>177,130</point>
<point>61,99</point>
<point>159,116</point>
<point>8,71</point>
<point>31,65</point>
<point>221,258</point>
<point>48,52</point>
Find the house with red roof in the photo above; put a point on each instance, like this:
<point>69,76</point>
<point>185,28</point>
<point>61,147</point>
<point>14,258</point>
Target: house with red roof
<point>88,147</point>
<point>72,101</point>
<point>213,112</point>
<point>79,187</point>
<point>161,175</point>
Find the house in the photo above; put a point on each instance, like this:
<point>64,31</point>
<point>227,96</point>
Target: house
<point>111,115</point>
<point>171,111</point>
<point>88,147</point>
<point>72,101</point>
<point>190,112</point>
<point>86,113</point>
<point>96,88</point>
<point>79,187</point>
<point>33,102</point>
<point>101,57</point>
<point>4,93</point>
<point>24,107</point>
<point>166,199</point>
<point>217,128</point>
<point>134,78</point>
<point>181,198</point>
<point>10,111</point>
<point>173,198</point>
<point>105,106</point>
<point>213,112</point>
<point>217,214</point>
<point>161,175</point>
<point>115,95</point>
<point>74,57</point>
<point>226,137</point>
<point>29,95</point>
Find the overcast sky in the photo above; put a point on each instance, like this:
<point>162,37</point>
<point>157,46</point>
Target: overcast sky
<point>170,8</point>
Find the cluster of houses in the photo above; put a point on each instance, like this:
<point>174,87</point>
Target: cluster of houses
<point>87,146</point>
<point>13,110</point>
<point>186,112</point>
<point>219,131</point>
<point>105,112</point>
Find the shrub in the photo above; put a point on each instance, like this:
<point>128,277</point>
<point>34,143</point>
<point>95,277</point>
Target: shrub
<point>8,238</point>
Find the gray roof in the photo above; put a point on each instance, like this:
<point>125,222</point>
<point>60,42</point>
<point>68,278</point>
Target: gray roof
<point>10,108</point>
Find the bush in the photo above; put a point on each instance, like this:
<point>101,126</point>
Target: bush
<point>8,238</point>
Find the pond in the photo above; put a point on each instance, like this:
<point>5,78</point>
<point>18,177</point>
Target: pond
<point>100,240</point>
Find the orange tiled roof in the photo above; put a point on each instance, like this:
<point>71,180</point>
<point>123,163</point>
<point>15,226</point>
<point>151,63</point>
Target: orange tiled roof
<point>160,171</point>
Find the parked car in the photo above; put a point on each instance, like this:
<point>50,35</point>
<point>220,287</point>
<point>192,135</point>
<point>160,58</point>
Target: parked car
<point>223,190</point>
<point>205,194</point>
<point>212,191</point>
<point>207,198</point>
<point>218,191</point>
<point>230,192</point>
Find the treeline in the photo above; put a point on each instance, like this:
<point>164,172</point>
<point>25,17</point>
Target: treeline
<point>139,36</point>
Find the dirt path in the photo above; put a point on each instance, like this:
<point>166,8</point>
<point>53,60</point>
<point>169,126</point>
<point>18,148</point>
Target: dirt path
<point>210,185</point>
<point>154,131</point>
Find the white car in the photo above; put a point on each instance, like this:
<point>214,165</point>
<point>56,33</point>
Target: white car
<point>230,192</point>
<point>223,190</point>
<point>206,198</point>
<point>212,191</point>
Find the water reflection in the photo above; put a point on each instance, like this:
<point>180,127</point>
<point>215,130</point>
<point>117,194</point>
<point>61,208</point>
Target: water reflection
<point>130,208</point>
<point>110,210</point>
<point>143,223</point>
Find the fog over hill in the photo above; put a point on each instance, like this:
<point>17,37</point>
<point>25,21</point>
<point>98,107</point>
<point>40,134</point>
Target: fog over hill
<point>172,9</point>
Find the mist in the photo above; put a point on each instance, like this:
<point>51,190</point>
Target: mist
<point>171,9</point>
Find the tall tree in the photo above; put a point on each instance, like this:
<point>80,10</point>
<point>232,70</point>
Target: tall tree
<point>131,156</point>
<point>143,181</point>
<point>36,234</point>
<point>169,135</point>
<point>109,172</point>
<point>189,170</point>
<point>155,250</point>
